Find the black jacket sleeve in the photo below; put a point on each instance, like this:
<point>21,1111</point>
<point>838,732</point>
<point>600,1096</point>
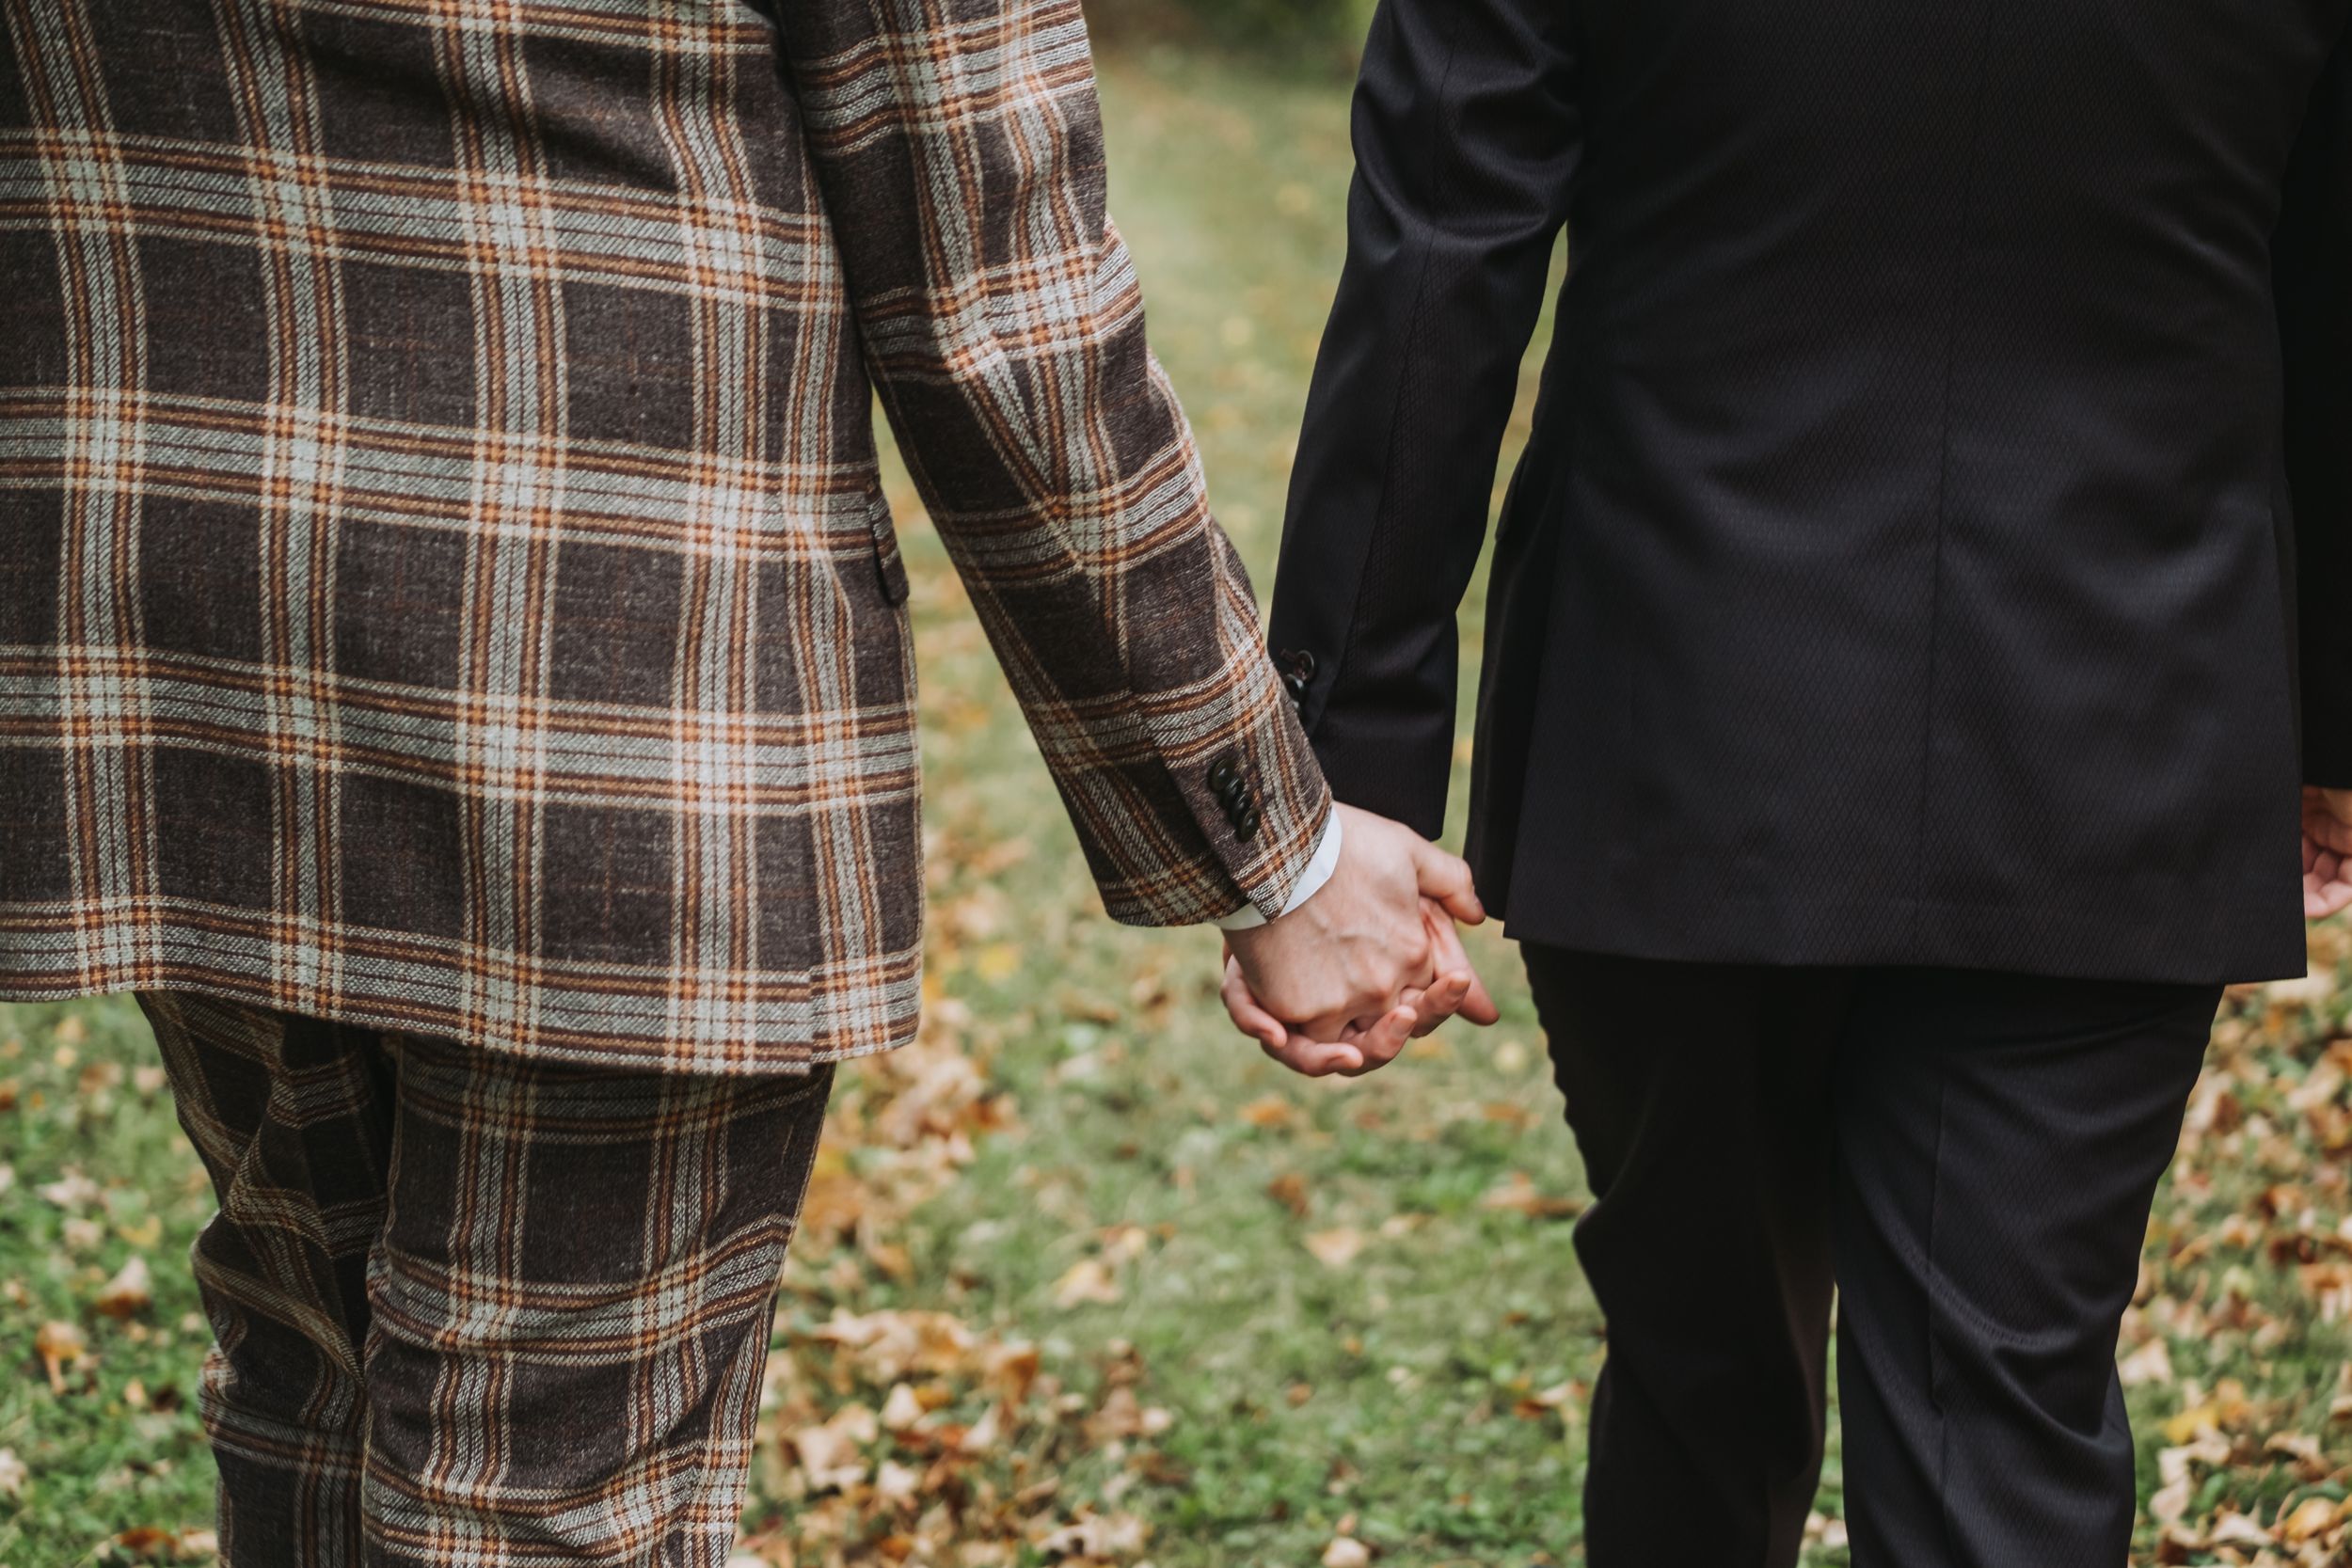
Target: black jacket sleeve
<point>1466,139</point>
<point>2313,261</point>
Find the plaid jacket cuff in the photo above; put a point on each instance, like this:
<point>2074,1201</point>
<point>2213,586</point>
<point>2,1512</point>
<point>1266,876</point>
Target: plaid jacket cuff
<point>1251,812</point>
<point>1319,869</point>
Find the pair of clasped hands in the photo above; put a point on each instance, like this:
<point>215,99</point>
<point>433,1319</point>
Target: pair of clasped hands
<point>1339,984</point>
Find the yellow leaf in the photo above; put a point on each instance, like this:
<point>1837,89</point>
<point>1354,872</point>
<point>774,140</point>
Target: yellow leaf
<point>2189,1422</point>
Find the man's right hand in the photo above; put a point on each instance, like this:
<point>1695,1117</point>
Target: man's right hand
<point>2327,852</point>
<point>1351,973</point>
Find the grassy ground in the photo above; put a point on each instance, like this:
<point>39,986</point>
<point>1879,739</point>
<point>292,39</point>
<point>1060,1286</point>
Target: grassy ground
<point>1084,1278</point>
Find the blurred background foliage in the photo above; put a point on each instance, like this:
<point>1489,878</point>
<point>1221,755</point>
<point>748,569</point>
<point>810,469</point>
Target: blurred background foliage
<point>1315,37</point>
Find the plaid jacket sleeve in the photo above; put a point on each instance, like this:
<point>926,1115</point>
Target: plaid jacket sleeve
<point>959,149</point>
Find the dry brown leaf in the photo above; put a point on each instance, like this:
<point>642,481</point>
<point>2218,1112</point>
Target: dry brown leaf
<point>1517,1193</point>
<point>1089,1279</point>
<point>1290,1191</point>
<point>70,1191</point>
<point>1336,1249</point>
<point>1124,1416</point>
<point>1097,1535</point>
<point>897,1484</point>
<point>2170,1502</point>
<point>2309,990</point>
<point>1010,1368</point>
<point>2151,1363</point>
<point>150,1542</point>
<point>2237,1530</point>
<point>2310,1517</point>
<point>830,1453</point>
<point>1272,1111</point>
<point>58,1345</point>
<point>130,1292</point>
<point>902,1409</point>
<point>2295,1445</point>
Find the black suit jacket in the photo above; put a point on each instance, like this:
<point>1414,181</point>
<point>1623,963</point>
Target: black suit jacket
<point>1902,567</point>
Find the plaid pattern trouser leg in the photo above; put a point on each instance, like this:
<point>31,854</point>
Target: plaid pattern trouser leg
<point>470,1310</point>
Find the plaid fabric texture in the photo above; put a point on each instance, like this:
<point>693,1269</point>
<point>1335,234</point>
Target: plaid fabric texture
<point>446,584</point>
<point>472,1310</point>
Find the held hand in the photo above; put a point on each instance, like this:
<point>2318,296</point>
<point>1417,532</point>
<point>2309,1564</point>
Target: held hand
<point>1457,990</point>
<point>2327,851</point>
<point>1346,958</point>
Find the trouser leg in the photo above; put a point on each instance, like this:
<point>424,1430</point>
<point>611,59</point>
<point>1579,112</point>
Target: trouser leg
<point>469,1310</point>
<point>2000,1140</point>
<point>571,1301</point>
<point>1698,1096</point>
<point>292,1118</point>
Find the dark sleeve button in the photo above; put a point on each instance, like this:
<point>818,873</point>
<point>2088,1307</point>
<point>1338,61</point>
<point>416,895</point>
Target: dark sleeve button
<point>1246,824</point>
<point>1223,775</point>
<point>1296,686</point>
<point>1299,664</point>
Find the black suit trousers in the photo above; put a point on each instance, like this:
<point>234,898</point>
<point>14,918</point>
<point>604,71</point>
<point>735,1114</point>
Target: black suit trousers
<point>1967,1159</point>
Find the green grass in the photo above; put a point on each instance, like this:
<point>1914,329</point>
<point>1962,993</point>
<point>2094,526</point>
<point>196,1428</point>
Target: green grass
<point>83,1116</point>
<point>1310,1279</point>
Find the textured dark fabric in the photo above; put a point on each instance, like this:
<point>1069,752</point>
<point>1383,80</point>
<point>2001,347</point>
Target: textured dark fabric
<point>471,1309</point>
<point>1970,1155</point>
<point>2313,256</point>
<point>1901,557</point>
<point>1999,1142</point>
<point>444,578</point>
<point>1699,1096</point>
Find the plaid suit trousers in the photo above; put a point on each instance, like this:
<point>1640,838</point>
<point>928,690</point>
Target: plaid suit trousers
<point>476,1309</point>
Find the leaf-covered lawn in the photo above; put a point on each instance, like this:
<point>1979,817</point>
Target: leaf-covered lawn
<point>1084,1278</point>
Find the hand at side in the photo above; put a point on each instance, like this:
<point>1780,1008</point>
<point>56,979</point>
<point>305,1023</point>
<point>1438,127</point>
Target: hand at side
<point>2327,851</point>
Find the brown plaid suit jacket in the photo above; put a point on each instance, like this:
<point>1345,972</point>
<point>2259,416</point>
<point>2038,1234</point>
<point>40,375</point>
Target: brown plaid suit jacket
<point>444,584</point>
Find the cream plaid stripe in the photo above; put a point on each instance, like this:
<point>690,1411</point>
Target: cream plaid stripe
<point>449,587</point>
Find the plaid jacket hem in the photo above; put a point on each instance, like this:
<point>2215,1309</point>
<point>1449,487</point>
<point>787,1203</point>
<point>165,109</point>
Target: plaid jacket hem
<point>791,1030</point>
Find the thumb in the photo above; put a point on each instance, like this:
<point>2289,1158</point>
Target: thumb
<point>1446,881</point>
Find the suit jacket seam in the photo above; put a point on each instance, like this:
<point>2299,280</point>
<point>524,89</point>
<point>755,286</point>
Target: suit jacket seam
<point>1943,462</point>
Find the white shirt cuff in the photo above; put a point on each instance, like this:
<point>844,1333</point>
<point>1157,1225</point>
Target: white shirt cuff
<point>1319,869</point>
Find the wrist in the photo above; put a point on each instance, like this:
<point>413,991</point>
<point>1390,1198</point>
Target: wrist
<point>1309,881</point>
